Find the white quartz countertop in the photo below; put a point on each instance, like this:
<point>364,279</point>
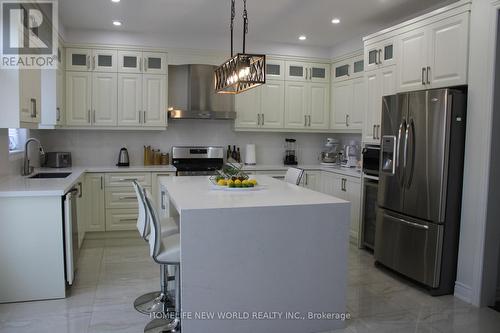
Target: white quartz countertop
<point>17,185</point>
<point>354,172</point>
<point>197,192</point>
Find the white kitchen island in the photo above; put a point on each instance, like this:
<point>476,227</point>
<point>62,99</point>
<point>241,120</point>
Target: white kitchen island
<point>272,260</point>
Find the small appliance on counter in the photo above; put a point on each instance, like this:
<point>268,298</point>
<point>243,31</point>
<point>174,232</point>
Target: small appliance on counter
<point>290,152</point>
<point>250,154</point>
<point>351,156</point>
<point>123,158</point>
<point>57,160</point>
<point>330,155</point>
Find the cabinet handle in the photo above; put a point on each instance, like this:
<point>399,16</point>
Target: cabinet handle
<point>310,73</point>
<point>127,197</point>
<point>305,121</point>
<point>102,184</point>
<point>88,62</point>
<point>129,219</point>
<point>378,132</point>
<point>309,120</point>
<point>373,132</point>
<point>33,108</point>
<point>145,64</point>
<point>93,62</point>
<point>88,115</point>
<point>380,56</point>
<point>307,180</point>
<point>127,179</point>
<point>80,190</point>
<point>428,71</point>
<point>93,117</point>
<point>262,119</point>
<point>58,114</point>
<point>162,199</point>
<point>144,117</point>
<point>140,64</point>
<point>423,75</point>
<point>347,120</point>
<point>344,185</point>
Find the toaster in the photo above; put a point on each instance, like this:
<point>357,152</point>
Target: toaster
<point>58,160</point>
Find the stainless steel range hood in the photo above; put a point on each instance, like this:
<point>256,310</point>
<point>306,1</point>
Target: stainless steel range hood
<point>191,94</point>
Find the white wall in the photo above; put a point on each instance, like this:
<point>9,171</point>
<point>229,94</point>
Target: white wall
<point>477,154</point>
<point>217,44</point>
<point>100,148</point>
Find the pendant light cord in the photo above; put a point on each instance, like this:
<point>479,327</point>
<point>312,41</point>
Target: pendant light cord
<point>245,23</point>
<point>232,24</point>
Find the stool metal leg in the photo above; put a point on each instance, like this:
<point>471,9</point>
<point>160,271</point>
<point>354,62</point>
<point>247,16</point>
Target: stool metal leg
<point>164,325</point>
<point>156,301</point>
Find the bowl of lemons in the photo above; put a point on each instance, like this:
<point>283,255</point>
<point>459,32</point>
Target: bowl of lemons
<point>237,183</point>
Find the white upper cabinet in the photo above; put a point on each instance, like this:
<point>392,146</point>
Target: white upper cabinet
<point>348,69</point>
<point>296,104</point>
<point>307,105</point>
<point>261,107</point>
<point>129,99</point>
<point>412,60</point>
<point>348,104</point>
<point>154,62</point>
<point>341,104</point>
<point>319,106</point>
<point>78,98</point>
<point>272,107</point>
<point>78,59</point>
<point>142,62</point>
<point>154,100</point>
<point>302,71</point>
<point>434,56</point>
<point>248,109</point>
<point>379,83</point>
<point>448,52</point>
<point>104,61</point>
<point>104,99</point>
<point>130,61</point>
<point>379,55</point>
<point>85,60</point>
<point>275,69</point>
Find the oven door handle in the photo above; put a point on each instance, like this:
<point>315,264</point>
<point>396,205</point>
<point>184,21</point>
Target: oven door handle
<point>68,233</point>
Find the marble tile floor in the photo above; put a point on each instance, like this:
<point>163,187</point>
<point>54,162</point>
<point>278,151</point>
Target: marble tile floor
<point>113,271</point>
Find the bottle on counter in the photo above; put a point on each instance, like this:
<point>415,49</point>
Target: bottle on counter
<point>147,153</point>
<point>157,157</point>
<point>234,154</point>
<point>228,153</point>
<point>238,155</point>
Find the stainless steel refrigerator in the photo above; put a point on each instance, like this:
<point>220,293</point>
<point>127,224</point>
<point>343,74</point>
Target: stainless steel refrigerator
<point>420,185</point>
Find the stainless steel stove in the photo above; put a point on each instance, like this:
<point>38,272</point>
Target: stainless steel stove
<point>197,161</point>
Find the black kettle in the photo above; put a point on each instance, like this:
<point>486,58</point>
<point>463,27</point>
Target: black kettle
<point>123,159</point>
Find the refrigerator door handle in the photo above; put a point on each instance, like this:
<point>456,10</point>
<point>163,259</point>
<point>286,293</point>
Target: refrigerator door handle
<point>410,134</point>
<point>399,165</point>
<point>412,224</point>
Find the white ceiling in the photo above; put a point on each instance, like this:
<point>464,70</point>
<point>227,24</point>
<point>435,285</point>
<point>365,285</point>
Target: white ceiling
<point>271,21</point>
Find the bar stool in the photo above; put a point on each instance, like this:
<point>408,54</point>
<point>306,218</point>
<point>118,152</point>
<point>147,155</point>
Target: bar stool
<point>166,252</point>
<point>157,300</point>
<point>294,175</point>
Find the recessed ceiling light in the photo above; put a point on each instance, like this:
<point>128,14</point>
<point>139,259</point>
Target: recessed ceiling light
<point>117,23</point>
<point>336,21</point>
<point>302,37</point>
<point>115,1</point>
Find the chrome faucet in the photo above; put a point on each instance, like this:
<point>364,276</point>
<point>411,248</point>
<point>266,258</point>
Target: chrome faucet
<point>27,169</point>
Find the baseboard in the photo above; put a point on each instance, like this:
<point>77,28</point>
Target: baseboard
<point>463,292</point>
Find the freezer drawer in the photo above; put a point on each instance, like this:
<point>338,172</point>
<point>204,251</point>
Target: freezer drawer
<point>409,246</point>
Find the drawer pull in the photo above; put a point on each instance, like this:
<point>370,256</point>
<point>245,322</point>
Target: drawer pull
<point>127,179</point>
<point>127,197</point>
<point>132,219</point>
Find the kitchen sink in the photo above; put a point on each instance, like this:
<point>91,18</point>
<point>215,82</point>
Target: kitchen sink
<point>51,175</point>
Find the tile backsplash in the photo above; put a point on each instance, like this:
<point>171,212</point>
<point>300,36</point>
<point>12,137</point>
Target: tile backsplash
<point>101,147</point>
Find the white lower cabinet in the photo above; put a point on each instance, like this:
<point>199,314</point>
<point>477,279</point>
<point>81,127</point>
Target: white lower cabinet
<point>349,189</point>
<point>121,219</point>
<point>311,180</point>
<point>94,194</point>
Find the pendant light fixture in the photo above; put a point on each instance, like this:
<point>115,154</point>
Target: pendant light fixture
<point>242,71</point>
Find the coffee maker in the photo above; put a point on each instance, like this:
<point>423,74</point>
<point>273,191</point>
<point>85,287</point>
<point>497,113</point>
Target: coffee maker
<point>290,152</point>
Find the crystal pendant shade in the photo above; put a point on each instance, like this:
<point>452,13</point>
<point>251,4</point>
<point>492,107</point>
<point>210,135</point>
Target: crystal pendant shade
<point>240,73</point>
